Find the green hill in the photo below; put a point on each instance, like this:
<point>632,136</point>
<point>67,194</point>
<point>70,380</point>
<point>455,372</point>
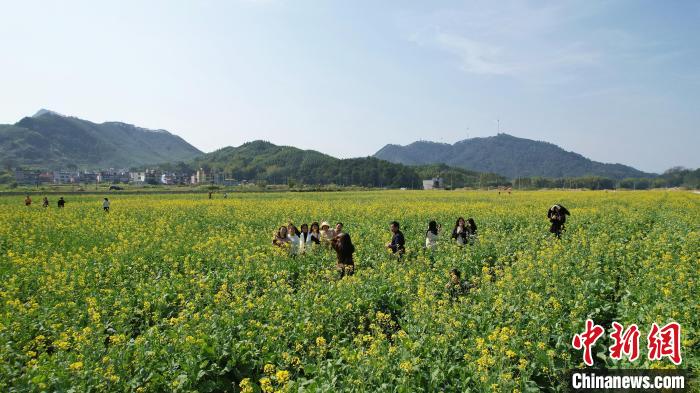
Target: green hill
<point>260,160</point>
<point>508,156</point>
<point>459,177</point>
<point>50,140</point>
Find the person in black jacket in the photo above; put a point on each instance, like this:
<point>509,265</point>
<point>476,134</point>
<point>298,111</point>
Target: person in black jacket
<point>471,230</point>
<point>557,216</point>
<point>398,242</point>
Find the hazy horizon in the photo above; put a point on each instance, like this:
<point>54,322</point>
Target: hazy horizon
<point>616,82</point>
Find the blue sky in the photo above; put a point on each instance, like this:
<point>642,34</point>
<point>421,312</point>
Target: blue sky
<point>617,81</point>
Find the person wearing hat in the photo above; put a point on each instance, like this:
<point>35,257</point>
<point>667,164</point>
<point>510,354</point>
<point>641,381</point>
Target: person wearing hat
<point>327,234</point>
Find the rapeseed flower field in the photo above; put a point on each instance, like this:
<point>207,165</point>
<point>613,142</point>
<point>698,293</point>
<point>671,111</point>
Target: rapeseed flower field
<point>182,293</point>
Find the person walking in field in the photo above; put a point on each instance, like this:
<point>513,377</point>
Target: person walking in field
<point>432,235</point>
<point>557,216</point>
<point>45,202</point>
<point>28,201</point>
<point>398,242</point>
<point>61,203</point>
<point>210,194</point>
<point>280,239</point>
<point>105,205</point>
<point>460,231</point>
<point>342,244</point>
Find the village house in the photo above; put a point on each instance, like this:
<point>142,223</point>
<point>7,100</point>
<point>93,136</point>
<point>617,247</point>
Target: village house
<point>27,177</point>
<point>433,184</point>
<point>65,177</point>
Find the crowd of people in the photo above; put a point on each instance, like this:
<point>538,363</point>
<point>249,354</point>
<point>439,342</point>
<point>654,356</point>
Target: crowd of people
<point>299,240</point>
<point>45,202</point>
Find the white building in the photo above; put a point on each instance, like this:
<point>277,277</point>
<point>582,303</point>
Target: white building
<point>137,177</point>
<point>64,177</point>
<point>200,177</point>
<point>434,183</point>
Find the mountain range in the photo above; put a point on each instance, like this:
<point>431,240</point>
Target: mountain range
<point>51,140</point>
<point>262,160</point>
<point>508,156</point>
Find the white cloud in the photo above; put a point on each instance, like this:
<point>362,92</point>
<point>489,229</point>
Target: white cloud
<point>511,39</point>
<point>476,57</point>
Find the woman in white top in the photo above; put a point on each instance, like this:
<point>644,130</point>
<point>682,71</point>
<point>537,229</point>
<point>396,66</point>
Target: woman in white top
<point>307,238</point>
<point>294,241</point>
<point>432,235</point>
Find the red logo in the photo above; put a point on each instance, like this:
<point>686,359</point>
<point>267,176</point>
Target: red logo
<point>665,342</point>
<point>587,339</point>
<point>626,343</point>
<point>662,342</point>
